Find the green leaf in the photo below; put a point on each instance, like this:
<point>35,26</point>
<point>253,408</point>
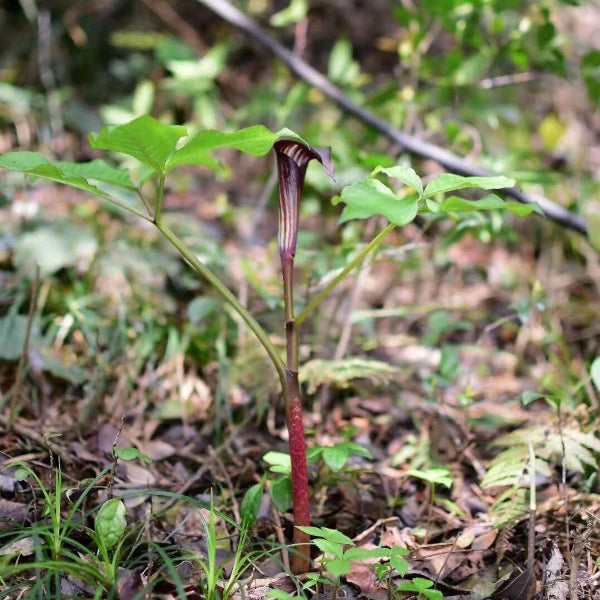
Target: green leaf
<point>328,547</point>
<point>355,449</point>
<point>256,140</point>
<point>146,139</point>
<point>54,364</point>
<point>21,474</point>
<point>333,535</point>
<point>421,586</point>
<point>131,454</point>
<point>591,213</point>
<point>406,175</point>
<point>441,322</point>
<point>595,372</point>
<point>421,583</point>
<point>449,361</point>
<point>335,457</point>
<point>590,71</point>
<point>251,503</point>
<point>280,595</point>
<point>13,329</point>
<point>528,397</point>
<point>399,551</point>
<point>489,202</point>
<point>339,567</point>
<point>110,523</point>
<point>399,564</point>
<point>279,462</point>
<point>54,247</point>
<point>281,493</point>
<point>366,553</point>
<point>449,182</point>
<point>98,170</point>
<point>22,161</point>
<point>436,475</point>
<point>313,453</point>
<point>295,12</point>
<point>472,68</point>
<point>36,165</point>
<point>312,531</point>
<point>341,68</point>
<point>371,197</point>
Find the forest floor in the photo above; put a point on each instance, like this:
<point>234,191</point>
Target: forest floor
<point>427,430</point>
<point>435,379</point>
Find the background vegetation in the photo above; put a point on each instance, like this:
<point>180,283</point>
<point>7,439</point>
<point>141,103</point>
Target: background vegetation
<point>466,337</point>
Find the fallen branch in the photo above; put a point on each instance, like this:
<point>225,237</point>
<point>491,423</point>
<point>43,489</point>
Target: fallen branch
<point>41,439</point>
<point>448,160</point>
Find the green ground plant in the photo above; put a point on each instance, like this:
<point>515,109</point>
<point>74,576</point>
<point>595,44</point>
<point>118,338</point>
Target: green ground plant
<point>330,462</point>
<point>422,587</point>
<point>54,541</point>
<point>337,554</point>
<point>71,555</point>
<point>562,445</point>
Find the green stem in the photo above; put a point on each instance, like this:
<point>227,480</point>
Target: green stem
<point>228,296</point>
<point>143,200</point>
<point>158,205</point>
<point>126,207</point>
<point>372,245</point>
<point>291,330</point>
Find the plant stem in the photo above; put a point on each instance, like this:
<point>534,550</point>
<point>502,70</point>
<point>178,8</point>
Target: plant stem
<point>228,296</point>
<point>299,475</point>
<point>295,424</point>
<point>372,245</point>
<point>18,385</point>
<point>158,204</point>
<point>143,200</point>
<point>126,207</point>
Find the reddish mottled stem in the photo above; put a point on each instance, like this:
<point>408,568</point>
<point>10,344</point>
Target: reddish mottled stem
<point>300,493</point>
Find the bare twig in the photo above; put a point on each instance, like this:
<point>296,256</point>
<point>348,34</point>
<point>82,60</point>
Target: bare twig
<point>448,160</point>
<point>167,13</point>
<point>579,543</point>
<point>18,386</point>
<point>45,54</point>
<point>41,439</point>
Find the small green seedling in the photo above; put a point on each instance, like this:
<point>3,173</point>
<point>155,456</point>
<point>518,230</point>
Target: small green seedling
<point>131,454</point>
<point>434,476</point>
<point>336,457</point>
<point>110,523</point>
<point>336,558</point>
<point>422,587</point>
<point>395,565</point>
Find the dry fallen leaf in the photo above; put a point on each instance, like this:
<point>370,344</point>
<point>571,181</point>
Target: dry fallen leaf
<point>22,547</point>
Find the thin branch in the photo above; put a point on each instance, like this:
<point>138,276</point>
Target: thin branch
<point>35,434</point>
<point>18,386</point>
<point>411,144</point>
<point>185,30</point>
<point>229,297</point>
<point>357,260</point>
